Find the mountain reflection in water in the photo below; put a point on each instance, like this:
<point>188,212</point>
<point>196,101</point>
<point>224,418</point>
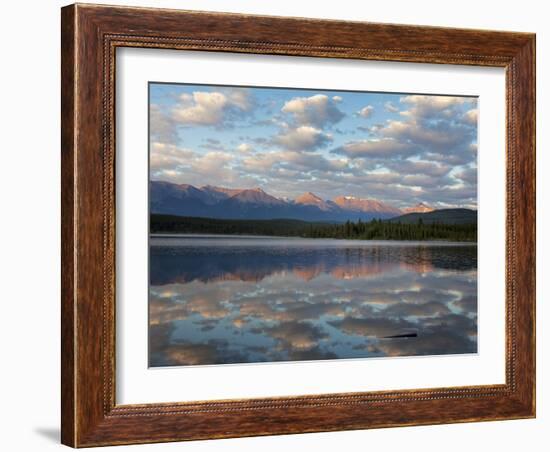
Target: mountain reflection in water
<point>220,300</point>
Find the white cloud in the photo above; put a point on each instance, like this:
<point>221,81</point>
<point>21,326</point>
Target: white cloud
<point>212,161</point>
<point>471,116</point>
<point>180,165</point>
<point>441,136</point>
<point>210,108</point>
<point>422,106</point>
<point>366,112</point>
<point>428,154</point>
<point>260,163</point>
<point>207,109</point>
<point>244,148</point>
<point>272,163</point>
<point>240,98</point>
<point>316,111</point>
<point>303,138</point>
<point>168,156</point>
<point>442,140</point>
<point>384,148</point>
<point>434,128</point>
<point>419,167</point>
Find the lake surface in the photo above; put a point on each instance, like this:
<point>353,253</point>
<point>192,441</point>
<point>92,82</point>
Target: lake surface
<point>237,299</point>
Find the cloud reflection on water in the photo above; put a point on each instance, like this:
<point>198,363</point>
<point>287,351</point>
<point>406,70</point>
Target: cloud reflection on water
<point>235,304</point>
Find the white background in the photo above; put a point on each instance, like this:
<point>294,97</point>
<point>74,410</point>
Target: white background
<point>137,384</point>
<point>30,227</point>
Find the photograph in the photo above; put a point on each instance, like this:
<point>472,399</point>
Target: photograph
<point>277,224</point>
<point>294,224</point>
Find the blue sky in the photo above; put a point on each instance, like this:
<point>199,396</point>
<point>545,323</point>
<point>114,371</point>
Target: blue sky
<point>398,148</point>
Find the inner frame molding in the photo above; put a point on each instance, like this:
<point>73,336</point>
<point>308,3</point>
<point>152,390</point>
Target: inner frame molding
<point>90,36</point>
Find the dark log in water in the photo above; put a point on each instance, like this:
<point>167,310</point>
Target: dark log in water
<point>397,336</point>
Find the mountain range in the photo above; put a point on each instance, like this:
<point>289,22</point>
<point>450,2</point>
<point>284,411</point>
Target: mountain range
<point>228,203</point>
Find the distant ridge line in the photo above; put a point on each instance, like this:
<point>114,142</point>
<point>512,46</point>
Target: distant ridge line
<point>211,201</point>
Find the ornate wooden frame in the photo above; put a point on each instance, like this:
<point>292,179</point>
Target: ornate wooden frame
<point>90,35</point>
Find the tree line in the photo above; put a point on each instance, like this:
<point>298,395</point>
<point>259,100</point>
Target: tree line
<point>384,230</point>
<point>375,229</point>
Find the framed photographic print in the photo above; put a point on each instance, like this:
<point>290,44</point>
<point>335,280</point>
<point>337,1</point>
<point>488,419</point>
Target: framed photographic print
<point>280,225</point>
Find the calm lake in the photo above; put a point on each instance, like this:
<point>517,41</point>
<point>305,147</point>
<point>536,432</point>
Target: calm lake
<point>237,299</point>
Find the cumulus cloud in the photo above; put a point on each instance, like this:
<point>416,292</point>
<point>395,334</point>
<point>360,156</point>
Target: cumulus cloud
<point>281,163</point>
<point>433,137</point>
<point>164,156</point>
<point>293,144</point>
<point>180,165</point>
<point>449,196</point>
<point>212,161</point>
<point>468,175</point>
<point>446,140</point>
<point>210,108</point>
<point>203,109</point>
<point>241,98</point>
<point>471,116</point>
<point>423,106</point>
<point>315,111</point>
<point>244,148</point>
<point>433,128</point>
<point>366,112</point>
<point>387,147</point>
<point>420,167</point>
<point>303,138</point>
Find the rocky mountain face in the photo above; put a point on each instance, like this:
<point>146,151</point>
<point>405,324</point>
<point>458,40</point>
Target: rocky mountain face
<point>255,196</point>
<point>365,205</point>
<point>310,199</point>
<point>419,208</point>
<point>229,203</point>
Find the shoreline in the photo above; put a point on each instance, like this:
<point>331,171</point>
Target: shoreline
<point>169,235</point>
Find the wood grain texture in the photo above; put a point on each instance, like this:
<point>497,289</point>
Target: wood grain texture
<point>68,147</point>
<point>90,36</point>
